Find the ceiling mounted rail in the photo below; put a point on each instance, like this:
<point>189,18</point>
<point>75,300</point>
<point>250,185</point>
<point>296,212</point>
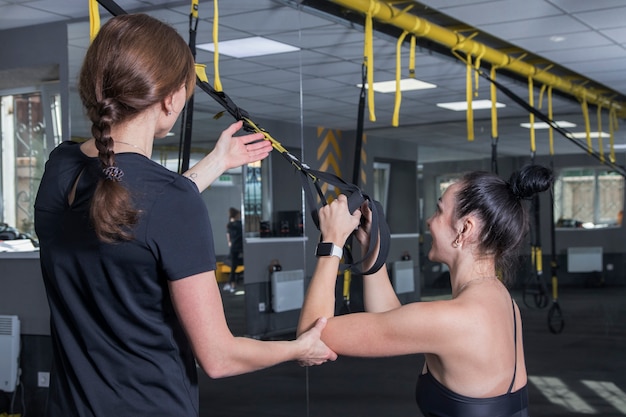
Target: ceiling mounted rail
<point>386,13</point>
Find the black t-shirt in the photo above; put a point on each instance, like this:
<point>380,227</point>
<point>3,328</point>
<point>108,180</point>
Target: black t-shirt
<point>119,349</point>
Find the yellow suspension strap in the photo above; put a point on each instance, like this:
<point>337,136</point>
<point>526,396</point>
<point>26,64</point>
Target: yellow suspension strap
<point>94,14</point>
<point>94,19</point>
<point>368,54</point>
<point>538,287</point>
<point>555,315</point>
<point>398,98</point>
<point>412,57</point>
<point>585,109</point>
<point>612,129</point>
<point>494,121</point>
<point>217,82</point>
<point>469,91</point>
<point>531,103</point>
<point>600,140</point>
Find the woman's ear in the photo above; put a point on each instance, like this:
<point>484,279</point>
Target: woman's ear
<point>467,229</point>
<point>168,104</point>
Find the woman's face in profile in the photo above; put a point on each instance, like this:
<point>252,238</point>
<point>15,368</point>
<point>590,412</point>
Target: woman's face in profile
<point>441,227</point>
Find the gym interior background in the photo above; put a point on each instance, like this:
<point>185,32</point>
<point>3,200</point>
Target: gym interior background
<point>566,59</point>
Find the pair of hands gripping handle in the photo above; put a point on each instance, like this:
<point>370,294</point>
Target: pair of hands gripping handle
<point>379,230</point>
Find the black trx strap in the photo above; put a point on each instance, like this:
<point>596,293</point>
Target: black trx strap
<point>184,148</point>
<point>112,7</point>
<point>380,234</point>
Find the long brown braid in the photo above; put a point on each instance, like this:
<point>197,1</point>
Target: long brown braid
<point>134,62</point>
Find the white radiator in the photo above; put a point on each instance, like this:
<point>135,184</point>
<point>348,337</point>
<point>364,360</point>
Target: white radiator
<point>287,290</point>
<point>9,352</point>
<point>584,259</point>
<point>402,277</point>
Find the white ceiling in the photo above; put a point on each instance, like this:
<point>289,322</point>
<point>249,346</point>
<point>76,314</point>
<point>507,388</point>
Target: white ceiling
<point>317,84</point>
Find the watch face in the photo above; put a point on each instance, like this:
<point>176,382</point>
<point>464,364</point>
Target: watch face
<point>324,249</point>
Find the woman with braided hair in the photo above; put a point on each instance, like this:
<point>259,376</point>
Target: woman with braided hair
<point>473,342</point>
<point>127,251</point>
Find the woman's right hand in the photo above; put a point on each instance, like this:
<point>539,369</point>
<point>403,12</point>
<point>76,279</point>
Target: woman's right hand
<point>315,352</point>
<point>336,221</point>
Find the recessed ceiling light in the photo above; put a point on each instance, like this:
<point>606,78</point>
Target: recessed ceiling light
<point>619,146</point>
<point>557,38</point>
<point>406,84</point>
<point>248,47</point>
<point>583,135</point>
<point>462,105</point>
<point>544,125</point>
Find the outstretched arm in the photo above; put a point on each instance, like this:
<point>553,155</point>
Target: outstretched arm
<point>220,354</point>
<point>336,224</point>
<point>229,152</point>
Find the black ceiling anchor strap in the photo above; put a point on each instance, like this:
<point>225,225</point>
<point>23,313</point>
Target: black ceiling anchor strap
<point>184,148</point>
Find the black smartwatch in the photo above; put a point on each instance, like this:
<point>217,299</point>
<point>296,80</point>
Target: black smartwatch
<point>328,249</point>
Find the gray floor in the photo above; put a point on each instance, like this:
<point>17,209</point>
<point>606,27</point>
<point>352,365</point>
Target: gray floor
<point>581,371</point>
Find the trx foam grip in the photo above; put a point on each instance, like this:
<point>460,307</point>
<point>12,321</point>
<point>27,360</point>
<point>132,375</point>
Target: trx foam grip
<point>355,200</point>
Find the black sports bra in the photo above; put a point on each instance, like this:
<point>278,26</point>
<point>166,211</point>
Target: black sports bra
<point>435,400</point>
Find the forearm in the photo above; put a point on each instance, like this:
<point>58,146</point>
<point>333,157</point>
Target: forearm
<point>207,170</point>
<point>378,293</point>
<point>320,296</point>
<point>245,355</point>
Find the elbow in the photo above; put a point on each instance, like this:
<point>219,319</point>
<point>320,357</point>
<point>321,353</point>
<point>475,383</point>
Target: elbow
<point>216,369</point>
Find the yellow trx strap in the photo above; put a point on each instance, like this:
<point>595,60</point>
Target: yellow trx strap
<point>469,112</point>
<point>600,144</point>
<point>550,116</point>
<point>217,84</point>
<point>494,109</point>
<point>469,92</point>
<point>412,58</point>
<point>531,103</point>
<point>398,100</point>
<point>368,53</point>
<point>585,109</point>
<point>612,129</point>
<point>94,19</point>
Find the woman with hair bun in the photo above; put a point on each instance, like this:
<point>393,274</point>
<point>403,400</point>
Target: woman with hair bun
<point>127,250</point>
<point>474,355</point>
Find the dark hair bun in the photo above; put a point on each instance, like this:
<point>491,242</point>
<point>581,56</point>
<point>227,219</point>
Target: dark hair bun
<point>530,180</point>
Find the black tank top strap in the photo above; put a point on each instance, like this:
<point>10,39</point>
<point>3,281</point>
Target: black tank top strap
<point>515,342</point>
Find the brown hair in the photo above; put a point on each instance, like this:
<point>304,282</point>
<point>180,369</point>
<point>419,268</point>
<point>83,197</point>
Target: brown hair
<point>134,62</point>
<point>233,213</point>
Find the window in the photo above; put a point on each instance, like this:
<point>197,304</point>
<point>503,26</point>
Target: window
<point>588,197</point>
<point>444,181</point>
<point>26,142</point>
<point>381,183</point>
